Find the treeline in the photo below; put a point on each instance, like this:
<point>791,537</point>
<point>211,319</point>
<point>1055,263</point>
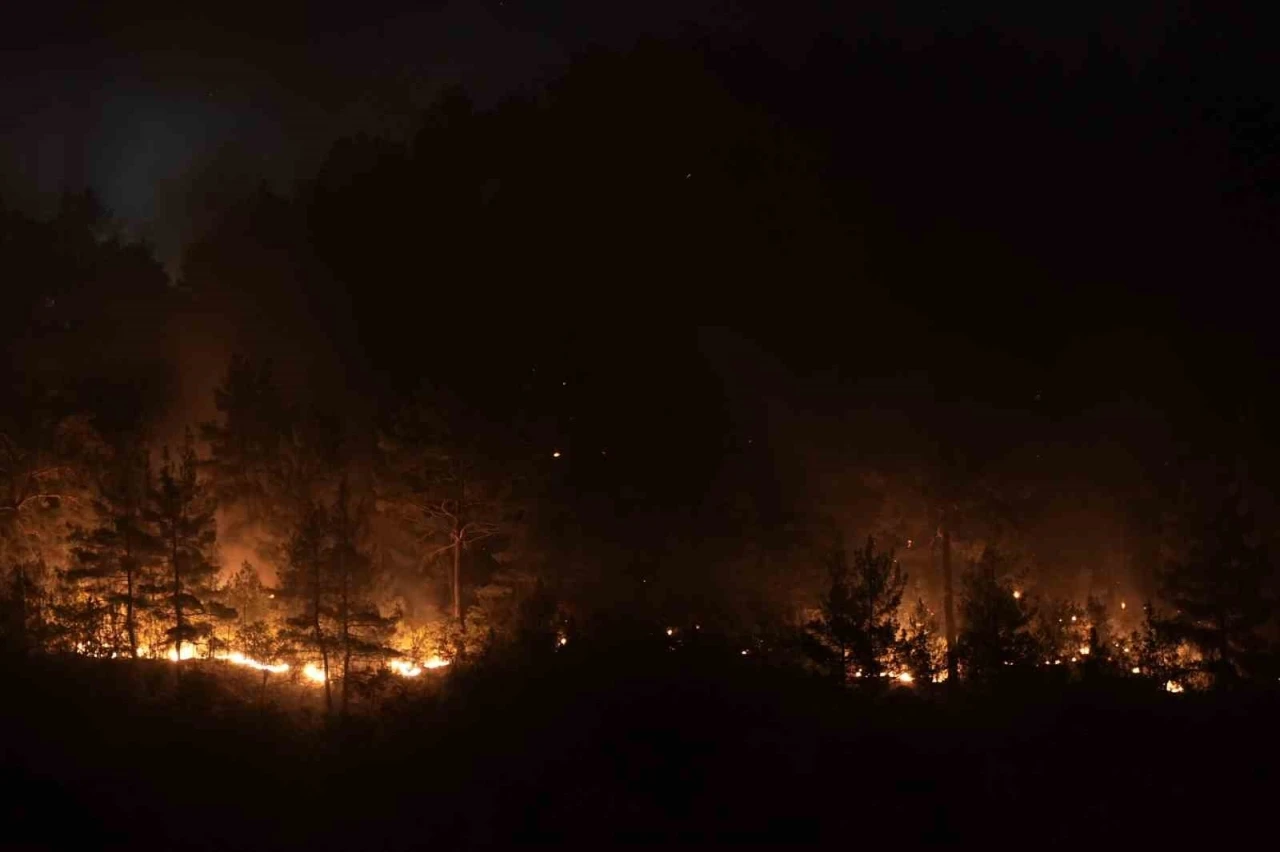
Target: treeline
<point>351,512</point>
<point>1214,627</point>
<point>116,548</point>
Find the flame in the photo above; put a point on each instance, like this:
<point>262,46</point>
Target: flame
<point>1172,686</point>
<point>313,673</point>
<point>905,677</point>
<point>1017,594</point>
<point>238,659</point>
<point>188,652</point>
<point>1084,650</point>
<point>404,668</point>
<point>434,663</point>
<point>1135,670</point>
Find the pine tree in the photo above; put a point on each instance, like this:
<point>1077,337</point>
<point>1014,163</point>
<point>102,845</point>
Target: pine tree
<point>307,586</point>
<point>1221,593</point>
<point>922,650</point>
<point>118,557</point>
<point>994,633</point>
<point>859,623</point>
<point>362,631</point>
<point>182,512</point>
<point>449,495</point>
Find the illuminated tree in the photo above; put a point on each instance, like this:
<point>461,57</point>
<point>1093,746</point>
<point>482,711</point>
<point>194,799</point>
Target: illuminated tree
<point>451,496</point>
<point>995,624</point>
<point>1060,628</point>
<point>859,623</point>
<point>182,513</point>
<point>306,583</point>
<point>43,489</point>
<point>246,594</point>
<point>362,631</point>
<point>922,651</point>
<point>260,642</point>
<point>119,555</point>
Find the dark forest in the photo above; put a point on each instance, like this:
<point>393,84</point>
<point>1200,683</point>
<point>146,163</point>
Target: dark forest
<point>717,426</point>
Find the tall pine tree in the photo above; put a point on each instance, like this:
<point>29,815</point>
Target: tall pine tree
<point>1221,593</point>
<point>119,554</point>
<point>859,623</point>
<point>182,512</point>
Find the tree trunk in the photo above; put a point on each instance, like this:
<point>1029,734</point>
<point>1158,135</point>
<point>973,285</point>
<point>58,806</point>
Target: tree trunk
<point>457,576</point>
<point>319,637</point>
<point>948,606</point>
<point>346,633</point>
<point>177,599</point>
<point>130,624</point>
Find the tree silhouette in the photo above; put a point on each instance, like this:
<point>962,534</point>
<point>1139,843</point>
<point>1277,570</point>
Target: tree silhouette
<point>995,632</point>
<point>182,512</point>
<point>859,623</point>
<point>1221,594</point>
<point>306,584</point>
<point>121,553</point>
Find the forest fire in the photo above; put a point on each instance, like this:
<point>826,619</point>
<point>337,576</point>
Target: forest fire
<point>404,668</point>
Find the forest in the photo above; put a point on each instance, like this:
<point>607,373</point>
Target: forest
<point>430,500</point>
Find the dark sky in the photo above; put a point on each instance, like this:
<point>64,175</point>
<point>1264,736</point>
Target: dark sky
<point>1093,169</point>
<point>138,99</point>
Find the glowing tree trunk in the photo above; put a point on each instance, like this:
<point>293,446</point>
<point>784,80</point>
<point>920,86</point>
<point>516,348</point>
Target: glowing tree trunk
<point>948,604</point>
<point>319,635</point>
<point>346,631</point>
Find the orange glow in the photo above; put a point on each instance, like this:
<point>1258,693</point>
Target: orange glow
<point>905,677</point>
<point>313,673</point>
<point>434,663</point>
<point>238,659</point>
<point>404,668</point>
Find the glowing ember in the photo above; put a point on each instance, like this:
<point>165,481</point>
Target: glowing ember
<point>404,668</point>
<point>671,631</point>
<point>1122,605</point>
<point>434,663</point>
<point>905,677</point>
<point>562,640</point>
<point>1135,670</point>
<point>1017,594</point>
<point>313,673</point>
<point>1073,618</point>
<point>1172,686</point>
<point>1084,650</point>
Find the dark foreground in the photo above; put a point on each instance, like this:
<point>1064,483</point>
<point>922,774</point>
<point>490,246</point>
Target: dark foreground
<point>623,747</point>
